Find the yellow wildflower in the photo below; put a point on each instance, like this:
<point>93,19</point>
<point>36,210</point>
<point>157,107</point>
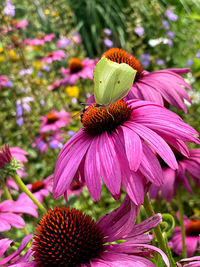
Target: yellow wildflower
<point>37,64</point>
<point>72,91</point>
<point>2,58</point>
<point>47,11</point>
<point>1,49</point>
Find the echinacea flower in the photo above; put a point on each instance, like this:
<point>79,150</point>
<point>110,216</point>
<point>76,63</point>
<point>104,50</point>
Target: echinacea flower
<point>5,243</point>
<point>163,86</point>
<point>188,164</point>
<point>189,262</point>
<point>192,237</point>
<point>54,56</point>
<point>118,144</point>
<point>75,189</point>
<point>10,214</point>
<point>78,69</point>
<point>53,140</point>
<point>67,237</point>
<point>54,121</point>
<point>39,189</point>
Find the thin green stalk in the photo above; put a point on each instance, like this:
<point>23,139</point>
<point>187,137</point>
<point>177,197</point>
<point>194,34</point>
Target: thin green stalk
<point>6,191</point>
<point>162,244</point>
<point>22,186</point>
<point>181,212</point>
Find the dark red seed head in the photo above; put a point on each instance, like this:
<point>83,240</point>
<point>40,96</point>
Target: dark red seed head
<point>97,120</point>
<point>66,237</point>
<point>37,186</point>
<point>75,65</point>
<point>193,228</point>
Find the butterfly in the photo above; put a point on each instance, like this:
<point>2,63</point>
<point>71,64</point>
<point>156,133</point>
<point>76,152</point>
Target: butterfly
<point>112,81</point>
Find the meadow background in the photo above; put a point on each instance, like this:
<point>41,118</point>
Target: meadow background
<point>160,34</point>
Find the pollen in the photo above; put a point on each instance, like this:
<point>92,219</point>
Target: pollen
<point>75,65</point>
<point>66,237</point>
<point>121,56</point>
<point>98,119</point>
<point>193,228</point>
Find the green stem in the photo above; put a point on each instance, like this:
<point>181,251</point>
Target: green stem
<point>162,244</point>
<point>181,212</point>
<point>22,186</point>
<point>6,191</point>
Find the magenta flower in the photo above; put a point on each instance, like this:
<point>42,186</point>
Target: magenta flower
<point>163,87</point>
<point>53,56</point>
<point>54,121</point>
<point>4,81</point>
<point>192,237</point>
<point>15,257</point>
<point>189,262</point>
<point>5,156</point>
<point>53,140</point>
<point>10,214</point>
<point>97,246</point>
<point>39,189</point>
<point>22,24</point>
<point>188,164</point>
<point>75,189</point>
<point>118,144</point>
<point>78,69</point>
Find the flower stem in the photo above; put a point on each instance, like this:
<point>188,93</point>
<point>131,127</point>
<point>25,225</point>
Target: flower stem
<point>6,191</point>
<point>162,244</point>
<point>22,186</point>
<point>181,212</point>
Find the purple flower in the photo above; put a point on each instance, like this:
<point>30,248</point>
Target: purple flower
<point>166,24</point>
<point>19,109</point>
<point>171,15</point>
<point>46,68</point>
<point>118,153</point>
<point>9,9</point>
<point>160,62</point>
<point>54,121</point>
<point>145,60</point>
<point>11,212</point>
<point>198,54</point>
<point>107,31</point>
<point>20,121</point>
<point>63,42</point>
<point>71,133</point>
<point>190,62</point>
<point>139,31</point>
<point>108,42</point>
<point>192,238</point>
<point>170,34</point>
<point>97,243</point>
<point>170,42</point>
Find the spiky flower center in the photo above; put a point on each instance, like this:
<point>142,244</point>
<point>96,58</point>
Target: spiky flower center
<point>66,237</point>
<point>97,120</point>
<point>75,186</point>
<point>37,186</point>
<point>51,118</point>
<point>75,65</point>
<point>193,228</point>
<point>121,56</point>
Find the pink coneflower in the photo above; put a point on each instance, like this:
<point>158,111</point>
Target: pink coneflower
<point>54,121</point>
<point>189,164</point>
<point>192,237</point>
<point>9,214</point>
<point>189,262</point>
<point>78,69</point>
<point>53,140</point>
<point>15,256</point>
<point>39,189</point>
<point>75,189</point>
<point>67,237</point>
<point>53,56</point>
<point>163,87</point>
<point>118,144</point>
